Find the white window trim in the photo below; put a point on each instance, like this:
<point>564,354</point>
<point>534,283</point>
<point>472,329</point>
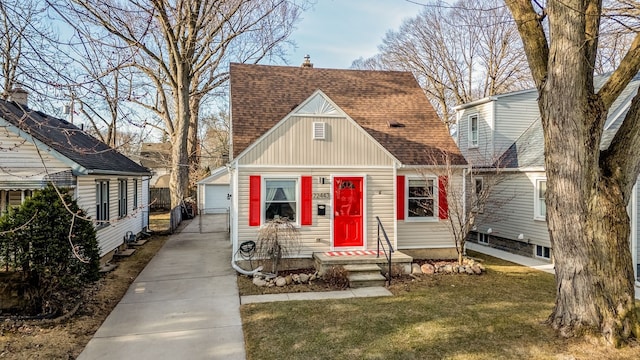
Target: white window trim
<point>475,208</point>
<point>123,202</point>
<point>105,218</point>
<point>536,204</point>
<point>436,191</point>
<point>483,236</point>
<point>470,131</point>
<point>535,252</point>
<point>263,198</point>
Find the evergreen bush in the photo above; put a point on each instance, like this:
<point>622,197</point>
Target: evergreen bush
<point>52,246</point>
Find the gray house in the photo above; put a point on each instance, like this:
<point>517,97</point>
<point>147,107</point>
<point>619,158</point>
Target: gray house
<point>501,136</point>
<point>37,148</point>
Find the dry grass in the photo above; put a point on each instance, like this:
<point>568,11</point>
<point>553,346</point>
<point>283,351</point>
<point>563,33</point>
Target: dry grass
<point>159,221</point>
<point>499,315</point>
<point>35,340</point>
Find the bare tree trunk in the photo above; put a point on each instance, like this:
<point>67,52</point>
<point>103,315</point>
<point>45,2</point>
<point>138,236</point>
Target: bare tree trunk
<point>179,179</point>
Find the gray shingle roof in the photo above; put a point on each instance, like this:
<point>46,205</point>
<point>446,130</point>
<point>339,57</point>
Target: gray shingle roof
<point>69,141</point>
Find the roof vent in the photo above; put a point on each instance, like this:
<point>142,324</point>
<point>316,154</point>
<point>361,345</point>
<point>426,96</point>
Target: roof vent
<point>394,124</point>
<point>307,62</point>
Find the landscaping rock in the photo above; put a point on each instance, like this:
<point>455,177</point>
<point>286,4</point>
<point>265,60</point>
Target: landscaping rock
<point>259,282</point>
<point>447,269</point>
<point>476,269</point>
<point>304,278</point>
<point>415,269</point>
<point>296,278</point>
<point>280,281</point>
<point>427,269</point>
<point>469,270</point>
<point>289,279</point>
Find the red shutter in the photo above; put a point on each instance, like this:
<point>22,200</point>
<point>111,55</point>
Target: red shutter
<point>254,200</point>
<point>443,205</point>
<point>400,194</point>
<point>307,203</point>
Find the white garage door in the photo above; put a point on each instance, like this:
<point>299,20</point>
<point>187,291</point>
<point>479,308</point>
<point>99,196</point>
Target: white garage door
<point>215,199</point>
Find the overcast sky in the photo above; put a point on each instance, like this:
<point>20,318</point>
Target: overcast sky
<point>336,32</point>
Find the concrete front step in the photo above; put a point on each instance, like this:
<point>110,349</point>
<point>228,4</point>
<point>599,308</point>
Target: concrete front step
<point>364,275</point>
<point>323,261</point>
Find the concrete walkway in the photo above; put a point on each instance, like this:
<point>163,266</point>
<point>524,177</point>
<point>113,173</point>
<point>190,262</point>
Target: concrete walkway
<point>183,305</point>
<point>523,260</point>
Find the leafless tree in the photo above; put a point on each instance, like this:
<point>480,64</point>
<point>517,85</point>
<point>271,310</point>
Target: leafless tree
<point>459,52</point>
<point>27,55</point>
<point>588,189</point>
<point>181,51</point>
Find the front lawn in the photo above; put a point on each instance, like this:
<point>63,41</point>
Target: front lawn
<point>498,315</point>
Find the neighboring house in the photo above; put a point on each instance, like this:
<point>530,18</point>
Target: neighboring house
<point>502,136</point>
<point>214,194</point>
<point>36,148</point>
<point>157,158</point>
<point>332,150</point>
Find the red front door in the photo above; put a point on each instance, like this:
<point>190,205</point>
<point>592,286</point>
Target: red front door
<point>348,209</point>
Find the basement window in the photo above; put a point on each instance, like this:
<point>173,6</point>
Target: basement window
<point>543,252</point>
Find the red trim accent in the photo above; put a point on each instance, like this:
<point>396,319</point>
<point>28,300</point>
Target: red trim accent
<point>255,184</point>
<point>307,200</point>
<point>400,197</point>
<point>443,205</point>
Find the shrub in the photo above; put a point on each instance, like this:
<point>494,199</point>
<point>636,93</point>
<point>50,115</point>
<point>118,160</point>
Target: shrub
<point>53,248</point>
<point>337,276</point>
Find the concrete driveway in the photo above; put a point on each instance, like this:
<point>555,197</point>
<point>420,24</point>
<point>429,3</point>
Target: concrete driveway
<point>183,305</point>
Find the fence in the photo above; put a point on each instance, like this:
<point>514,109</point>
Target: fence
<point>175,218</point>
<point>160,198</point>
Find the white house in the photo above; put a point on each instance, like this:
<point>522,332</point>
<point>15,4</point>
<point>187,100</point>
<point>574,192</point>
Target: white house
<point>36,149</point>
<point>335,150</point>
<point>502,136</point>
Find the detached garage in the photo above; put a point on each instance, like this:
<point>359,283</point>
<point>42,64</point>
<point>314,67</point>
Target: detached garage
<point>214,195</point>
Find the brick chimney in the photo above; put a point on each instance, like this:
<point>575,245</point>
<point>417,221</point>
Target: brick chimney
<point>307,62</point>
<point>19,95</point>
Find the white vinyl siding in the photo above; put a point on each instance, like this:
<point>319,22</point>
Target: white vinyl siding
<point>112,235</point>
<point>288,144</point>
<point>379,201</point>
<point>22,162</point>
<point>482,152</point>
<point>513,115</point>
<point>509,208</point>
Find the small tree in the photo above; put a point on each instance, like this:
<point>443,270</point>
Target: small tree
<point>277,239</point>
<point>466,204</point>
<point>50,244</point>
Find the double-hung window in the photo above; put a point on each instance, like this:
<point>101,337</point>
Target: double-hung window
<point>135,194</point>
<point>540,207</point>
<point>473,130</point>
<point>122,198</point>
<point>102,202</point>
<point>421,198</point>
<point>281,199</point>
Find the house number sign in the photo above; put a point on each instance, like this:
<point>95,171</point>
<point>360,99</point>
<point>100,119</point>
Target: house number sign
<point>324,195</point>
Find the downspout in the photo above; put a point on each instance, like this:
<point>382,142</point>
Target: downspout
<point>243,271</point>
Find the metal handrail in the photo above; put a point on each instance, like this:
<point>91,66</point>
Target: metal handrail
<point>380,244</point>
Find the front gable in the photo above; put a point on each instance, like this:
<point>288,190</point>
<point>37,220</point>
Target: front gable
<point>316,133</point>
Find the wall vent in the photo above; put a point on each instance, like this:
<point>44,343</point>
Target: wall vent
<point>319,130</point>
